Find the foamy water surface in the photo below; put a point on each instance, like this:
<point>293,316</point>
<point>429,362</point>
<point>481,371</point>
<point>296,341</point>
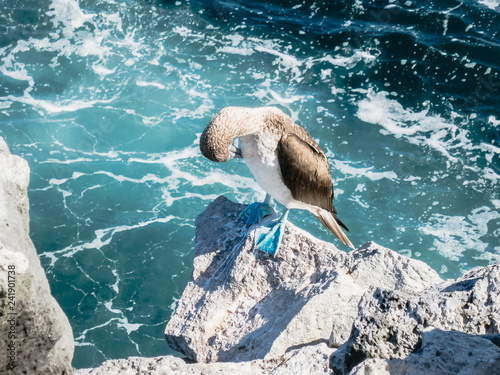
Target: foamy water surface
<point>107,99</point>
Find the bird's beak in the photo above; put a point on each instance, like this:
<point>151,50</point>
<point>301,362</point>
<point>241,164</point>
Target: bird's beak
<point>234,153</point>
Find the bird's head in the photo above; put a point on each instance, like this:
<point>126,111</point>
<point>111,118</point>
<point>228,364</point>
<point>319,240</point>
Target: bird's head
<point>216,141</point>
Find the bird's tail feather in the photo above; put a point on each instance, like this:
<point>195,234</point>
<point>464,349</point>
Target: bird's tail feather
<point>331,223</point>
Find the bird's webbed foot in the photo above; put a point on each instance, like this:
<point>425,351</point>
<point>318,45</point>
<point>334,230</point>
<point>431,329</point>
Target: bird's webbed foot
<point>268,236</point>
<point>269,232</point>
<point>257,212</point>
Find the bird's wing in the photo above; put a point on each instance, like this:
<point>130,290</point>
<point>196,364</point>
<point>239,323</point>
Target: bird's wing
<point>305,171</point>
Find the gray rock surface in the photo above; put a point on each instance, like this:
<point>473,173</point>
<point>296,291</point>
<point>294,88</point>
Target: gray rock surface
<point>244,312</point>
<point>441,353</point>
<point>392,324</point>
<point>243,305</point>
<point>34,331</point>
<point>310,360</point>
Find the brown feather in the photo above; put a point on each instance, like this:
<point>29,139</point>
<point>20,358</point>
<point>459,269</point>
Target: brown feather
<point>305,172</point>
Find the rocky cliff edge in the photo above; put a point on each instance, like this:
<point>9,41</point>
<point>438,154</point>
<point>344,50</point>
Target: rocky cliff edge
<point>35,335</point>
<point>314,309</point>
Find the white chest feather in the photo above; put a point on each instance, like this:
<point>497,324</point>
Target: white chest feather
<point>260,155</point>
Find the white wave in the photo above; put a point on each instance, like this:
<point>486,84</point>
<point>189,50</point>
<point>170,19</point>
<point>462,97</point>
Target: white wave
<point>67,105</point>
<point>200,112</point>
<point>236,47</point>
<point>169,199</point>
<point>243,51</point>
<point>147,178</point>
<point>180,165</point>
<point>492,4</point>
<point>121,321</point>
<point>71,37</point>
<point>130,327</point>
<point>348,62</point>
<point>359,200</point>
<point>68,14</point>
<point>90,188</point>
<point>66,161</point>
<point>347,168</point>
<point>235,39</point>
<point>150,84</point>
<point>5,103</point>
<point>286,62</point>
<point>417,127</point>
<point>264,92</point>
<point>493,120</point>
<point>102,238</point>
<point>80,340</point>
<point>14,69</point>
<point>453,235</point>
<point>185,32</point>
<point>102,70</point>
<point>110,155</point>
<point>54,181</point>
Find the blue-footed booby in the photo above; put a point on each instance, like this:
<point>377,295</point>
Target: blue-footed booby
<point>284,160</point>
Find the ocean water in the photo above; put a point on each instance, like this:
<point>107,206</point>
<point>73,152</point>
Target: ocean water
<point>106,100</point>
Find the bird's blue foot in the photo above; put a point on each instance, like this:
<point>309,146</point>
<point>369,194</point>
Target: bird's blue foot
<point>257,212</point>
<point>269,235</point>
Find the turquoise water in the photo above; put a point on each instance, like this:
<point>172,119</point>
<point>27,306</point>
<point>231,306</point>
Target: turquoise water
<point>106,100</point>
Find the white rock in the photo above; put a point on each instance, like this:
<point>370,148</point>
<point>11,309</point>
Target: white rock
<point>391,324</point>
<point>39,340</point>
<point>309,360</point>
<point>242,304</point>
<point>261,315</point>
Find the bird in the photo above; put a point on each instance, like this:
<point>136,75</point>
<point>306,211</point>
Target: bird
<point>285,161</point>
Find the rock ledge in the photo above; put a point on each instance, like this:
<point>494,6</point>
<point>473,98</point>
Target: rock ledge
<point>35,335</point>
<point>314,309</point>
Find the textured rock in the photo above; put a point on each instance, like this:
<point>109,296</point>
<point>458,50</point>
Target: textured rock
<point>33,329</point>
<point>168,365</point>
<point>441,353</point>
<point>261,315</point>
<point>391,324</point>
<point>266,315</point>
<point>242,305</point>
<point>310,360</point>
